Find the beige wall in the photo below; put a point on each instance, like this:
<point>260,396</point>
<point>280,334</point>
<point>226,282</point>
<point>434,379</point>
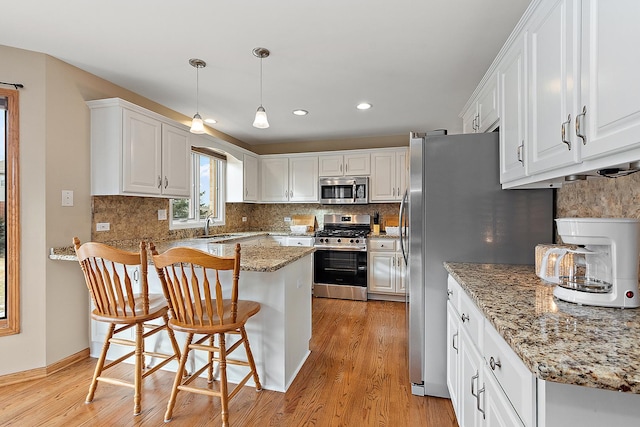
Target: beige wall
<point>333,145</point>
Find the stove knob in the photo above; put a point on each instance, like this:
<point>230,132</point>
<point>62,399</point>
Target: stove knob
<point>321,240</point>
<point>357,241</point>
<point>351,241</point>
<point>339,240</point>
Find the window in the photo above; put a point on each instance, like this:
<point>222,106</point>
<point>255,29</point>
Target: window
<point>9,214</point>
<point>207,191</point>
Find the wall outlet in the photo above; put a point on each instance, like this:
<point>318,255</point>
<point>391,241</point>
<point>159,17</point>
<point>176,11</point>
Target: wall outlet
<point>103,226</point>
<point>287,219</point>
<point>67,197</point>
<point>162,214</point>
<point>244,219</point>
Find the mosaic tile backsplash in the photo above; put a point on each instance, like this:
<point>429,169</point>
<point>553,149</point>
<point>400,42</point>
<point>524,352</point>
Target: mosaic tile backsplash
<point>136,218</point>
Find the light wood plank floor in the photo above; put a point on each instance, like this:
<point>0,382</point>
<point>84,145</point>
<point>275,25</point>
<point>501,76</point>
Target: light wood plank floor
<point>355,376</point>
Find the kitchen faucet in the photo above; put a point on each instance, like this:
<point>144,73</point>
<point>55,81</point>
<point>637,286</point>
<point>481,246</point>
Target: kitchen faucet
<point>208,221</point>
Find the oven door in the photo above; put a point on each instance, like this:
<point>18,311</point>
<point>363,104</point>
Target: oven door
<point>340,274</point>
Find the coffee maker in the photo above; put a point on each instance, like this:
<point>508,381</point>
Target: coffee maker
<point>603,270</point>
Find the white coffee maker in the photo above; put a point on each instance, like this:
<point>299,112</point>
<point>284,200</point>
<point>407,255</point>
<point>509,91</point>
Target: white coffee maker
<point>603,270</point>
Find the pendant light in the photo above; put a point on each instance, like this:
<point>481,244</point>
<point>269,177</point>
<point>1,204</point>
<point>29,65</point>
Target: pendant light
<point>261,121</point>
<point>197,126</point>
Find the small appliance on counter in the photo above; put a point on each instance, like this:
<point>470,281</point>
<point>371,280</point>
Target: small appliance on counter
<point>603,270</point>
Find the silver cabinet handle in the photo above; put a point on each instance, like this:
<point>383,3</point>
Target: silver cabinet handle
<point>166,182</point>
<point>398,191</point>
<point>465,317</point>
<point>493,363</point>
<point>478,401</point>
<point>449,292</point>
<point>159,181</point>
<point>473,378</point>
<point>563,132</point>
<point>393,261</point>
<point>346,168</point>
<point>578,121</point>
<point>291,193</point>
<point>135,275</point>
<point>520,148</point>
<point>453,342</point>
<point>478,121</point>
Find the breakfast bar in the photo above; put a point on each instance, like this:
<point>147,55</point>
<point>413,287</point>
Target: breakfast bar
<point>585,360</point>
<point>277,277</point>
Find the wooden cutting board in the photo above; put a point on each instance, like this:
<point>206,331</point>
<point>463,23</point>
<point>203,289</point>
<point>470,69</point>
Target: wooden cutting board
<point>308,220</point>
<point>391,221</point>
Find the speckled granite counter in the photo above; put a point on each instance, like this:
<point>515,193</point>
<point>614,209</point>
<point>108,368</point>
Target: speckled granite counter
<point>382,236</point>
<point>261,258</point>
<point>559,341</point>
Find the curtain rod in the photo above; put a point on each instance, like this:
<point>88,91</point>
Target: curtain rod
<point>15,85</point>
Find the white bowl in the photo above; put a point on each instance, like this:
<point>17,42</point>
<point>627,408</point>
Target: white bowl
<point>298,229</point>
<point>392,231</point>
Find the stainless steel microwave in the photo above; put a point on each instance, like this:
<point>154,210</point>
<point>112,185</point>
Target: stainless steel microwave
<point>344,190</point>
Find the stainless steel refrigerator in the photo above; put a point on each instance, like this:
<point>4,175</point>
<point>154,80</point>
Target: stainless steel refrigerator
<point>457,211</point>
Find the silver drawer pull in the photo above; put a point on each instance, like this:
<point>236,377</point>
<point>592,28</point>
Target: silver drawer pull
<point>453,342</point>
<point>563,132</point>
<point>478,402</point>
<point>579,134</point>
<point>473,378</point>
<point>449,292</point>
<point>493,363</point>
<point>464,317</point>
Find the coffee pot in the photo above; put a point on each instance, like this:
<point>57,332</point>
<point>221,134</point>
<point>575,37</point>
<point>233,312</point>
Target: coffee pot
<point>603,269</point>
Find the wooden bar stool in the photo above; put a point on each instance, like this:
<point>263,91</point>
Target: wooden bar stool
<point>107,272</point>
<point>196,306</point>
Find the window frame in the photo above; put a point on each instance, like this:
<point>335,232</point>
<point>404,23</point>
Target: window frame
<point>11,325</point>
<point>197,221</point>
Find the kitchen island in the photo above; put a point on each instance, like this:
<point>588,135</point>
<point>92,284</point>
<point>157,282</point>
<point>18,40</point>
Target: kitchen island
<point>585,360</point>
<point>277,277</point>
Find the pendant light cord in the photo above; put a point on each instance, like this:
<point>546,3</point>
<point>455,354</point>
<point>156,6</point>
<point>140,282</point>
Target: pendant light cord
<point>261,81</point>
<point>197,89</point>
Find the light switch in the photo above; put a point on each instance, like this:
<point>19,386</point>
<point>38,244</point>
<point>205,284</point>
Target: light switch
<point>67,197</point>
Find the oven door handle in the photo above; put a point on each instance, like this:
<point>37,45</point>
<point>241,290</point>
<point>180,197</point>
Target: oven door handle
<point>403,205</point>
<point>341,249</point>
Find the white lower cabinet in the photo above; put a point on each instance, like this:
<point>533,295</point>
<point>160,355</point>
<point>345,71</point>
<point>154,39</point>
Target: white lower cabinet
<point>386,267</point>
<point>489,386</point>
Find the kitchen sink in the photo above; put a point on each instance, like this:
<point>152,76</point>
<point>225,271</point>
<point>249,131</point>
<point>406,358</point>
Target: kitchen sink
<point>216,237</point>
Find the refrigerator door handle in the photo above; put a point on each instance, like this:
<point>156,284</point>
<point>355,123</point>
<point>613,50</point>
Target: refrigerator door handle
<point>405,199</point>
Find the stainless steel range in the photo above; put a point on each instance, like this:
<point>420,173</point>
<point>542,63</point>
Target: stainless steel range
<point>340,260</point>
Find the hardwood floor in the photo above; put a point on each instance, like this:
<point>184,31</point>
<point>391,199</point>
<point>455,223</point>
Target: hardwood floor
<point>355,376</point>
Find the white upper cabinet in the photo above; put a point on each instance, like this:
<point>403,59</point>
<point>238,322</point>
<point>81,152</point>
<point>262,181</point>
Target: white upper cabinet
<point>552,37</point>
<point>250,178</point>
<point>513,109</point>
<point>135,152</point>
<point>609,80</point>
<point>353,164</point>
<point>482,113</point>
<point>289,179</point>
<point>388,175</point>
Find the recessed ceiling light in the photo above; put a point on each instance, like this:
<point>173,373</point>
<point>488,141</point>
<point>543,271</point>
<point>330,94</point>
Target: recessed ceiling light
<point>211,121</point>
<point>300,112</point>
<point>364,106</point>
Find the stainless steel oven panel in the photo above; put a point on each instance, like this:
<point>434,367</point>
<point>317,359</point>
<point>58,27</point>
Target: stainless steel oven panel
<point>325,290</point>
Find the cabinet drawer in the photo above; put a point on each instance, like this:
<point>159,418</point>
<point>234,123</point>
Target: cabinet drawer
<point>299,241</point>
<point>513,376</point>
<point>454,290</point>
<point>472,320</point>
<point>382,244</point>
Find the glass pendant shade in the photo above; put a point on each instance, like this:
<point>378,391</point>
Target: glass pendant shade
<point>261,121</point>
<point>197,125</point>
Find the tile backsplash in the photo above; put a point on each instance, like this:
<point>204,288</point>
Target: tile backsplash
<point>600,198</point>
<point>136,218</point>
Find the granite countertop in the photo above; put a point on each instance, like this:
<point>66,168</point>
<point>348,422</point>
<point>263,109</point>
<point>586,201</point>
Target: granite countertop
<point>253,257</point>
<point>382,235</point>
<point>558,341</point>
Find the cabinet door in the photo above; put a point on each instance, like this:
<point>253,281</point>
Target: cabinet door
<point>610,82</point>
<point>553,79</point>
<point>357,164</point>
<point>453,359</point>
<point>300,241</point>
<point>303,179</point>
<point>250,178</point>
<point>331,165</point>
<point>142,154</point>
<point>488,105</point>
<point>470,118</point>
<point>382,272</point>
<point>274,185</point>
<point>498,410</point>
<point>470,382</point>
<point>176,161</point>
<point>401,172</point>
<point>513,104</point>
<point>383,184</point>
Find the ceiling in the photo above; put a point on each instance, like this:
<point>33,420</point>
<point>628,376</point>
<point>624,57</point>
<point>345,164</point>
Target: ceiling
<point>416,61</point>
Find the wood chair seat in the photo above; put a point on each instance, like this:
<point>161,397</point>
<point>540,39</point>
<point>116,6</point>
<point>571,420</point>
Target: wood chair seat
<point>109,276</point>
<point>245,310</point>
<point>157,308</point>
<point>191,279</point>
